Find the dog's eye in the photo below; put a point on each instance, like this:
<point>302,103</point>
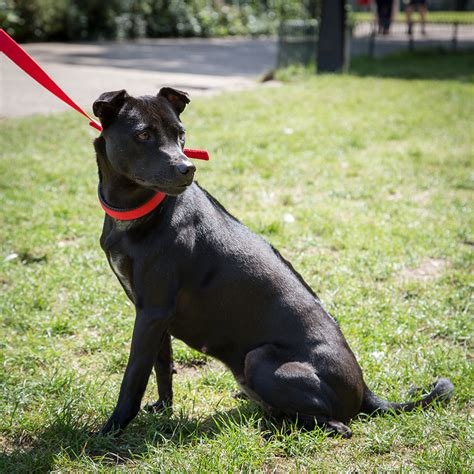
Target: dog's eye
<point>181,135</point>
<point>143,136</point>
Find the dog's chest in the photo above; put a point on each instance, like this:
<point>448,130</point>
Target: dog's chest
<point>122,268</point>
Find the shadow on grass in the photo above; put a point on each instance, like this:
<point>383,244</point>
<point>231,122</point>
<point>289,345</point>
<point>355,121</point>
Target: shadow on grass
<point>75,440</point>
<point>435,64</point>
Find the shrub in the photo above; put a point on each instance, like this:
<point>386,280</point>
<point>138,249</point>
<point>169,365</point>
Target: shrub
<point>34,20</point>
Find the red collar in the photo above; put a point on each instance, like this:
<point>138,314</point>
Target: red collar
<point>131,214</point>
<point>153,203</point>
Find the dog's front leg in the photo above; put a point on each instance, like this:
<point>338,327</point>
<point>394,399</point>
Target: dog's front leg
<point>164,369</point>
<point>148,332</point>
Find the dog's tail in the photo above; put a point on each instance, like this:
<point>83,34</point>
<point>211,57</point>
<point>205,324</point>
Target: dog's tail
<point>440,392</point>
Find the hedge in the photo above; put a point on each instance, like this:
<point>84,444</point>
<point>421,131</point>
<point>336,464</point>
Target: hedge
<point>67,20</point>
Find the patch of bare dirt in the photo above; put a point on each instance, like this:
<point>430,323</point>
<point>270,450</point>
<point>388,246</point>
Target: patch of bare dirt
<point>189,372</point>
<point>198,370</point>
<point>428,270</point>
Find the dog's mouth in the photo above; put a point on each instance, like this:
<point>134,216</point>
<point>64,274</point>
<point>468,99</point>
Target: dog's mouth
<point>170,189</point>
<point>173,191</point>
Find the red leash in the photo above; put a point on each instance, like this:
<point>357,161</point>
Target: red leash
<point>23,60</point>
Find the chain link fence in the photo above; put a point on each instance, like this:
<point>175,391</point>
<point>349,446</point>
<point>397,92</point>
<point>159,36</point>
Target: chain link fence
<point>447,29</point>
<point>443,27</point>
<point>297,42</point>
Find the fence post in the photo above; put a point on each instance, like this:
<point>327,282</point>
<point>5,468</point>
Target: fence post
<point>455,36</point>
<point>411,41</point>
<point>347,48</point>
<point>373,33</point>
<point>279,60</point>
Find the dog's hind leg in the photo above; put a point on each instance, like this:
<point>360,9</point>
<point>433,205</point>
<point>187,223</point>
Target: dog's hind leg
<point>164,370</point>
<point>291,389</point>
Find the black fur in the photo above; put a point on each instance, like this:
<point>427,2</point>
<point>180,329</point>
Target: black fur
<point>195,272</point>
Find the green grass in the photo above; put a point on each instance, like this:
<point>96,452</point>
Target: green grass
<point>377,174</point>
<point>429,64</point>
<point>432,17</point>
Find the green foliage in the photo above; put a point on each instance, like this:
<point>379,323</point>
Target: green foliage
<point>30,20</point>
<point>34,19</point>
<point>377,175</point>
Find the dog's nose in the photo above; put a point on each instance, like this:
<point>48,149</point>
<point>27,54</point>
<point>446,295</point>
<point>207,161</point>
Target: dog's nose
<point>186,167</point>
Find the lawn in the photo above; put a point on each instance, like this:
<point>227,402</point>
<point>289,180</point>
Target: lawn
<point>364,183</point>
<point>466,17</point>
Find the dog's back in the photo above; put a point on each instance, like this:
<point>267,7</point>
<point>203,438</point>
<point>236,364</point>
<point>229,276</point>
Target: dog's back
<point>195,272</point>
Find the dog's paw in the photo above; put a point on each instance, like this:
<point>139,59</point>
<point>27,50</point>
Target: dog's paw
<point>110,429</point>
<point>160,406</point>
<point>336,428</point>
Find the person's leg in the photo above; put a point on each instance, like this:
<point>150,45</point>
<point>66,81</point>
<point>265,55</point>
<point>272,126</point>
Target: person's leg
<point>385,15</point>
<point>422,10</point>
<point>379,4</point>
<point>388,18</point>
<point>408,13</point>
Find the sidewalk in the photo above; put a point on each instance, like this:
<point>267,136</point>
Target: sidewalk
<point>196,65</point>
<point>142,67</point>
<point>438,35</point>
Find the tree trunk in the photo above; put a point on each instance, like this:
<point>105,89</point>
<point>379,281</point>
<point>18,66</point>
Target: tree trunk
<point>332,32</point>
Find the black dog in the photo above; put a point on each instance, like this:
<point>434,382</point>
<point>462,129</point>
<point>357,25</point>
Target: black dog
<point>195,272</point>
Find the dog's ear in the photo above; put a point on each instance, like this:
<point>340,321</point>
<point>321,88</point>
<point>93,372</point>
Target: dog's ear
<point>178,99</point>
<point>108,105</point>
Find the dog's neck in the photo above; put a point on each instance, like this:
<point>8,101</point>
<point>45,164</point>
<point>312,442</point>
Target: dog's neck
<point>117,190</point>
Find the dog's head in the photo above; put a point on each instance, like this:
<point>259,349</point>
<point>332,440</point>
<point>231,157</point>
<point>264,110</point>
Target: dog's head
<point>144,138</point>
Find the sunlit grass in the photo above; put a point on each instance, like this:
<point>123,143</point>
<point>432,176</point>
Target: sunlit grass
<point>364,183</point>
<point>466,17</point>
